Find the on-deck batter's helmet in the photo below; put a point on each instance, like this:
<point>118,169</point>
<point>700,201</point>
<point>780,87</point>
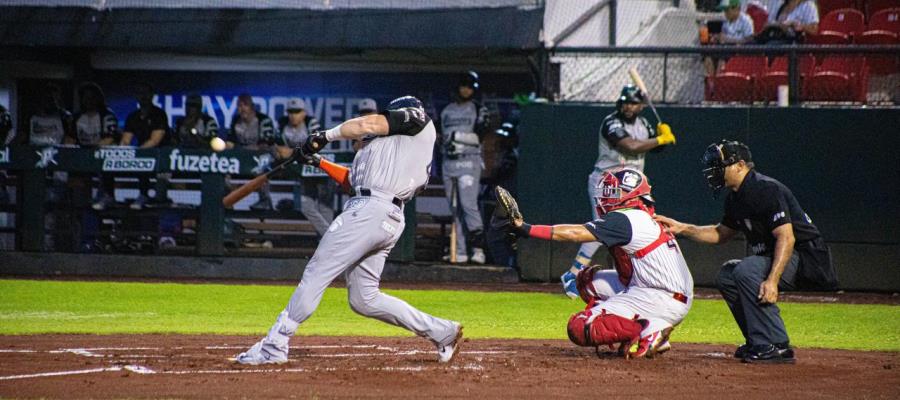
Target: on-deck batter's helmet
<point>630,94</point>
<point>720,155</point>
<point>469,79</point>
<point>624,188</point>
<point>404,102</point>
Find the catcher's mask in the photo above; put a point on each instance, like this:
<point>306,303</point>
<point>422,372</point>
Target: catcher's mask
<point>624,188</point>
<point>720,155</point>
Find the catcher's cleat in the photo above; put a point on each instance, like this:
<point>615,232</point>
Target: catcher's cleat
<point>570,286</point>
<point>650,345</point>
<point>446,353</point>
<point>263,352</point>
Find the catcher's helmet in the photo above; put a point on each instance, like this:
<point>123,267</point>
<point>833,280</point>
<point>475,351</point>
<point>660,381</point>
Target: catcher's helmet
<point>404,102</point>
<point>624,188</point>
<point>469,79</point>
<point>630,94</point>
<point>720,155</point>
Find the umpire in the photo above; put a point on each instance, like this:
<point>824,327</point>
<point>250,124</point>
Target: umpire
<point>787,250</point>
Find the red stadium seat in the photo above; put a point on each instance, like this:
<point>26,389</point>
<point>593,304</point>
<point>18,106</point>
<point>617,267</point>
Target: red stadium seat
<point>759,15</point>
<point>777,75</point>
<point>875,6</point>
<point>886,20</point>
<point>828,37</point>
<point>846,20</point>
<point>827,6</point>
<point>838,79</point>
<point>737,79</point>
<point>880,64</point>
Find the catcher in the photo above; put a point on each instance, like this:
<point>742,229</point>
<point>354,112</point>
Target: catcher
<point>651,289</point>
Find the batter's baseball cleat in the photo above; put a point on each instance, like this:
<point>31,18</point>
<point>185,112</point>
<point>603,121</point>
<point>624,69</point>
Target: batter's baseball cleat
<point>446,353</point>
<point>781,353</point>
<point>650,345</point>
<point>569,285</point>
<point>263,352</point>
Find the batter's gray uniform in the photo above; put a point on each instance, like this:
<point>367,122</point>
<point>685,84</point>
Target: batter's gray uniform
<point>463,163</point>
<point>385,174</point>
<point>612,130</point>
<point>316,194</point>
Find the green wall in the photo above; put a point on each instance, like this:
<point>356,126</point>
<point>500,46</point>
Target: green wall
<point>842,165</point>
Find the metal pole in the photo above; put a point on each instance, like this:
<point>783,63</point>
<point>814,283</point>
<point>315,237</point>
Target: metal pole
<point>665,76</point>
<point>793,79</point>
<point>612,22</point>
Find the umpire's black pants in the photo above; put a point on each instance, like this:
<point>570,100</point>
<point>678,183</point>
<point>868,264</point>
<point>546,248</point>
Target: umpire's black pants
<point>739,281</point>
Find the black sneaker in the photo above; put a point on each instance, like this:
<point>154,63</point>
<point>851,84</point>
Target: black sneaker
<point>781,353</point>
<point>741,351</point>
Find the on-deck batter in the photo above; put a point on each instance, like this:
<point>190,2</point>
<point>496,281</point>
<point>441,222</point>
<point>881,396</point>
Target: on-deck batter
<point>385,174</point>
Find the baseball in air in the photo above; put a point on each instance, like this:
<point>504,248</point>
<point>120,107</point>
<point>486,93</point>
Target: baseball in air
<point>217,144</point>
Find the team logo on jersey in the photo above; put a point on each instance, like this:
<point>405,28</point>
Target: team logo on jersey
<point>47,157</point>
<point>4,155</point>
<point>197,163</point>
<point>124,160</point>
<point>263,162</point>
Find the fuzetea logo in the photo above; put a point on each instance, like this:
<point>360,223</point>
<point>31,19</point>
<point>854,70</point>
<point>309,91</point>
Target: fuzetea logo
<point>197,163</point>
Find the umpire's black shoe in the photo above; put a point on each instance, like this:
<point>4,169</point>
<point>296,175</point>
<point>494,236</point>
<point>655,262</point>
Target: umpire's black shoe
<point>741,351</point>
<point>781,353</point>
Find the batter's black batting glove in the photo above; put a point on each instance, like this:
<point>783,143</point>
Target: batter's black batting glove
<point>315,142</point>
<point>300,156</point>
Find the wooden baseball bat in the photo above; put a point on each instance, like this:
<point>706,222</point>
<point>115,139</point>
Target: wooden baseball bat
<point>454,205</point>
<point>636,78</point>
<point>251,186</point>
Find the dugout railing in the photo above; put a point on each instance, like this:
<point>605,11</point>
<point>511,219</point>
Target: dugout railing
<point>749,74</point>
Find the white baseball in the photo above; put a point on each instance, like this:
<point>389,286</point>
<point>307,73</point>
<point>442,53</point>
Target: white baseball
<point>217,144</point>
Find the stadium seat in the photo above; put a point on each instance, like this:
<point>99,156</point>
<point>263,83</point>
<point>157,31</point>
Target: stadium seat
<point>880,64</point>
<point>827,6</point>
<point>886,20</point>
<point>777,75</point>
<point>737,79</point>
<point>828,37</point>
<point>838,79</point>
<point>846,20</point>
<point>874,6</point>
<point>759,15</point>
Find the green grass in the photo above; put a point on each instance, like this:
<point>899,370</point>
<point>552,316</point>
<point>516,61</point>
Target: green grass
<point>37,307</point>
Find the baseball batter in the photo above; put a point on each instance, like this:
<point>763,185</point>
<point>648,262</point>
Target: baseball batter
<point>625,138</point>
<point>462,124</point>
<point>385,174</point>
<point>650,291</point>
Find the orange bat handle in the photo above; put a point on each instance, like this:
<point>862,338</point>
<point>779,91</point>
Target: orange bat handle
<point>339,173</point>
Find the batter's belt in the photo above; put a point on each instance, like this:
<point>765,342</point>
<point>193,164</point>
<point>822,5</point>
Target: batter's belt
<point>366,192</point>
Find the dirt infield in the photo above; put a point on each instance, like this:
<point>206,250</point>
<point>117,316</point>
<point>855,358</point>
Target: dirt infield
<point>179,366</point>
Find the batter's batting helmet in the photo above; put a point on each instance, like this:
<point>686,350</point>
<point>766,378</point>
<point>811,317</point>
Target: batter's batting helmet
<point>624,188</point>
<point>404,102</point>
<point>630,94</point>
<point>720,155</point>
<point>469,79</point>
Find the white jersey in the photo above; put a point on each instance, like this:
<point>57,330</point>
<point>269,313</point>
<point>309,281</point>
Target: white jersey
<point>396,164</point>
<point>646,256</point>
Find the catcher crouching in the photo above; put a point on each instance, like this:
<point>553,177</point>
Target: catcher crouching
<point>651,289</point>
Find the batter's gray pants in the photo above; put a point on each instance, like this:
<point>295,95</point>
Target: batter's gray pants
<point>357,243</point>
<point>739,281</point>
<point>467,172</point>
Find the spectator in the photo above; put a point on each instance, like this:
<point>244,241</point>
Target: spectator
<point>50,127</point>
<point>462,126</point>
<point>253,130</point>
<point>789,21</point>
<point>737,29</point>
<point>96,125</point>
<point>313,196</point>
<point>6,127</point>
<point>148,125</point>
<point>195,129</point>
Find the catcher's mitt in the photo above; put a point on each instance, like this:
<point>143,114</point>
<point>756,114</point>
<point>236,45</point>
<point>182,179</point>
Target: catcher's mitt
<point>507,209</point>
